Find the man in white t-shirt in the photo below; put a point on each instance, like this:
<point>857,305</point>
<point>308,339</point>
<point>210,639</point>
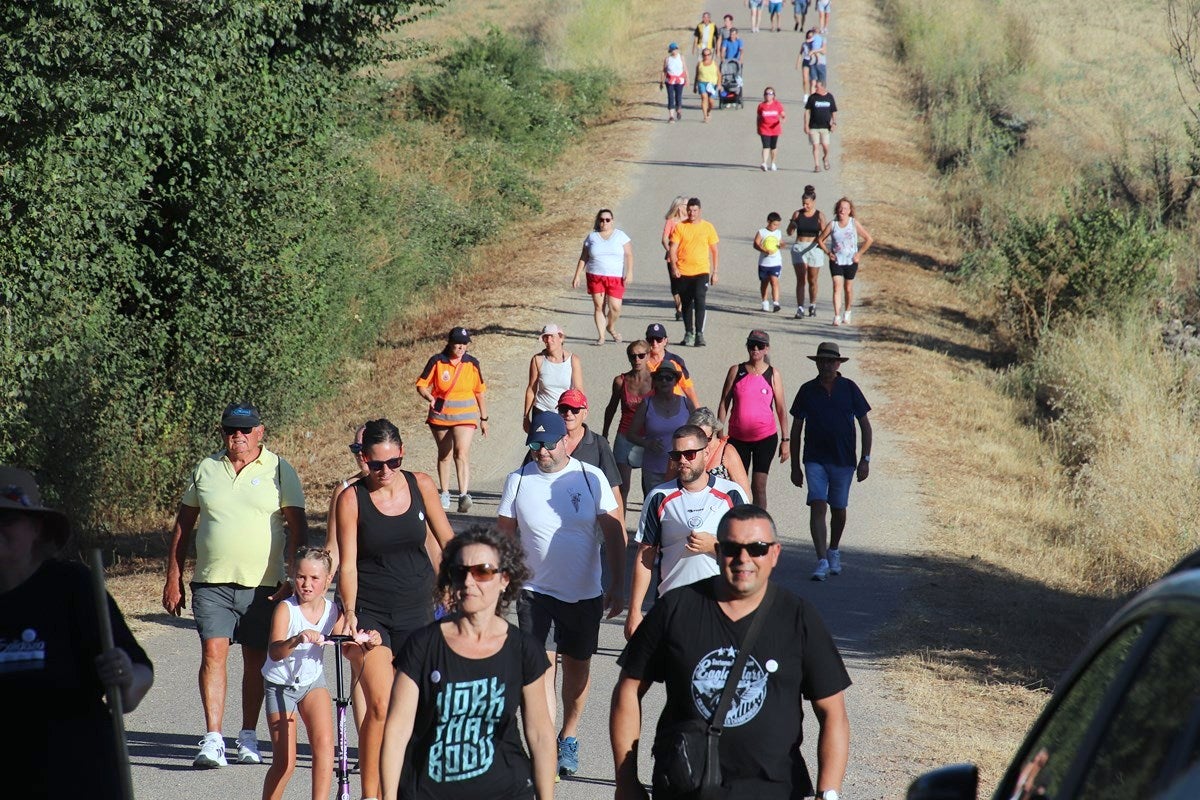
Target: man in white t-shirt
<point>555,504</point>
<point>679,523</point>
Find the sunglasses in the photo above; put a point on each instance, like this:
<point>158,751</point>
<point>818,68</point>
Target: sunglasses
<point>668,376</point>
<point>755,549</point>
<point>564,410</point>
<point>377,466</point>
<point>482,573</point>
<point>606,219</point>
<point>539,446</point>
<point>769,93</point>
<point>638,356</point>
<point>355,448</point>
<point>230,430</point>
<point>756,346</point>
<point>683,455</point>
<point>656,338</point>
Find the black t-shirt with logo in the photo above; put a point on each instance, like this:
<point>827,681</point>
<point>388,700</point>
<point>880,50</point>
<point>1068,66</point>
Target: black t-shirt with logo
<point>822,108</point>
<point>688,642</point>
<point>466,745</point>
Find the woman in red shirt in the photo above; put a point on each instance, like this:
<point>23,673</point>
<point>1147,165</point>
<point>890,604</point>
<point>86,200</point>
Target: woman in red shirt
<point>770,124</point>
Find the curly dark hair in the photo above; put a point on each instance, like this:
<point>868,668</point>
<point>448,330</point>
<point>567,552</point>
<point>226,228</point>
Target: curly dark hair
<point>512,564</point>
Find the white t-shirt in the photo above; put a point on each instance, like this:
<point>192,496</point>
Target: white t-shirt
<point>671,513</point>
<point>774,259</point>
<point>606,258</point>
<point>556,515</point>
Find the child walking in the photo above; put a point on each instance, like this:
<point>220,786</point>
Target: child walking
<point>770,261</point>
<point>294,674</point>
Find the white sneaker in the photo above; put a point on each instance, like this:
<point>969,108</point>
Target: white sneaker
<point>773,167</point>
<point>835,561</point>
<point>846,318</point>
<point>446,500</point>
<point>212,752</point>
<point>766,305</point>
<point>464,503</point>
<point>822,570</point>
<point>763,166</point>
<point>247,748</point>
<point>837,319</point>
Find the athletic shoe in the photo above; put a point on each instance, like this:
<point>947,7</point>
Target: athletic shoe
<point>678,315</point>
<point>846,318</point>
<point>763,166</point>
<point>247,743</point>
<point>812,310</point>
<point>689,339</point>
<point>700,340</point>
<point>822,570</point>
<point>464,503</point>
<point>446,500</point>
<point>795,26</point>
<point>799,312</point>
<point>837,319</point>
<point>766,305</point>
<point>212,752</point>
<point>774,168</point>
<point>568,756</point>
<point>775,308</point>
<point>835,561</point>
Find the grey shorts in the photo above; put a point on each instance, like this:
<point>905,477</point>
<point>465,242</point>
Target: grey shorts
<point>230,611</point>
<point>284,699</point>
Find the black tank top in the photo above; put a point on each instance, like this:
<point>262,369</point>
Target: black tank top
<point>807,227</point>
<point>394,573</point>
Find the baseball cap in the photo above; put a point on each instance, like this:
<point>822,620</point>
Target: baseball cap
<point>19,492</point>
<point>672,46</point>
<point>656,331</point>
<point>459,336</point>
<point>240,415</point>
<point>551,329</point>
<point>573,398</point>
<point>759,336</point>
<point>668,366</point>
<point>547,427</point>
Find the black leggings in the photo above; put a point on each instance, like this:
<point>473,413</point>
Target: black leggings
<point>693,289</point>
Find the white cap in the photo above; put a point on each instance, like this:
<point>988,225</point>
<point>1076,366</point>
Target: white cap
<point>547,330</point>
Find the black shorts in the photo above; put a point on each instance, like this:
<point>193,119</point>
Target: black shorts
<point>769,142</point>
<point>576,625</point>
<point>393,627</point>
<point>760,454</point>
<point>847,271</point>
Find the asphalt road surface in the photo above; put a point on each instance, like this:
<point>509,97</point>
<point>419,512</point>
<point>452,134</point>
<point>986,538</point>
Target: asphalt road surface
<point>717,162</point>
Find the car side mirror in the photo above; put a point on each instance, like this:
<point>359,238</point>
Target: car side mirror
<point>956,782</point>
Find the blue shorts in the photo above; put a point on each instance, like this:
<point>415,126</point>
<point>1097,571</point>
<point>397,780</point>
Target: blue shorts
<point>818,72</point>
<point>775,8</point>
<point>828,484</point>
<point>756,3</point>
<point>800,6</point>
<point>707,88</point>
<point>766,273</point>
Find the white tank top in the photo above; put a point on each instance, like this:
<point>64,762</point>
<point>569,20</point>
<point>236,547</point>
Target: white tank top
<point>553,380</point>
<point>845,242</point>
<point>306,662</point>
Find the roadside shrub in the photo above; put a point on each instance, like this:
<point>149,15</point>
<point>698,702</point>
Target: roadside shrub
<point>1088,260</point>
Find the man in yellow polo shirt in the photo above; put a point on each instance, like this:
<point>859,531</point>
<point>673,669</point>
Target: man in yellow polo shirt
<point>247,508</point>
<point>693,259</point>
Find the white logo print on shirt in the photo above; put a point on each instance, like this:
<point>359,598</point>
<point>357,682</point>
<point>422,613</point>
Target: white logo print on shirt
<point>708,680</point>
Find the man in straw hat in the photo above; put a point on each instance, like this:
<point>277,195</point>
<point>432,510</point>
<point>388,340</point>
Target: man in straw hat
<point>829,404</point>
<point>53,666</point>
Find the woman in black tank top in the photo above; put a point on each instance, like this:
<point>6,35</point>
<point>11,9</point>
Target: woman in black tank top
<point>386,576</point>
<point>808,255</point>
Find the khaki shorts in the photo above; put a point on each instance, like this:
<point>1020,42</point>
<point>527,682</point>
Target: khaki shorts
<point>818,135</point>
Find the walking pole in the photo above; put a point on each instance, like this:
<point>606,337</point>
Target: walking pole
<point>112,691</point>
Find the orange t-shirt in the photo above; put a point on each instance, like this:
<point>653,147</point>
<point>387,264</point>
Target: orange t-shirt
<point>457,386</point>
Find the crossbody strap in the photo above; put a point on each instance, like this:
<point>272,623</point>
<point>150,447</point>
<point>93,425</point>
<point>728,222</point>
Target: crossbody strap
<point>717,723</point>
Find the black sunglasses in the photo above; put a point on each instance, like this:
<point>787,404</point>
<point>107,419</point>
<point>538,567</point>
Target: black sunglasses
<point>564,410</point>
<point>606,219</point>
<point>677,455</point>
<point>638,356</point>
<point>665,376</point>
<point>355,448</point>
<point>377,466</point>
<point>536,446</point>
<point>755,549</point>
<point>230,430</point>
<point>656,338</point>
<point>482,573</point>
<point>756,346</point>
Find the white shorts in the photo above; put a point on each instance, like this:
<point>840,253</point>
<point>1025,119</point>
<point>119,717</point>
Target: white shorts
<point>812,256</point>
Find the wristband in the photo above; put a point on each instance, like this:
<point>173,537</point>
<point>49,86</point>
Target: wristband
<point>483,419</point>
<point>785,439</point>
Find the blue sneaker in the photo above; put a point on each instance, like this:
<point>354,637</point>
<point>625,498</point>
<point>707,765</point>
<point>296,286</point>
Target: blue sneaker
<point>568,756</point>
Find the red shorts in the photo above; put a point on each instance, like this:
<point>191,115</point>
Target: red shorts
<point>603,284</point>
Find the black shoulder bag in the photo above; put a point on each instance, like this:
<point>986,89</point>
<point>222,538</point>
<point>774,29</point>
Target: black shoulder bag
<point>686,757</point>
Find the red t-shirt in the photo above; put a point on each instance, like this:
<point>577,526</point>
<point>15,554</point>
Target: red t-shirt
<point>770,118</point>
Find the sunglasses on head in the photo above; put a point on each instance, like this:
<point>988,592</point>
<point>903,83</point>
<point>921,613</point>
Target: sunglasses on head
<point>681,455</point>
<point>564,410</point>
<point>355,448</point>
<point>482,573</point>
<point>755,549</point>
<point>539,446</point>
<point>377,466</point>
<point>230,430</point>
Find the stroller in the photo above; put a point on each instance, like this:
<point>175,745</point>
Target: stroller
<point>731,84</point>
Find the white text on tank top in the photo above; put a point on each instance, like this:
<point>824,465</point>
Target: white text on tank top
<point>553,380</point>
<point>845,241</point>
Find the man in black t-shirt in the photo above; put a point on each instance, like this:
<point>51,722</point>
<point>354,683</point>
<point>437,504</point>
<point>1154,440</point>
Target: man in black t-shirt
<point>689,640</point>
<point>820,119</point>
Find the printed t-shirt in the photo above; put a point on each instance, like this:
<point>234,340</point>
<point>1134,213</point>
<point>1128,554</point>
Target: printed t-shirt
<point>606,257</point>
<point>829,436</point>
<point>467,744</point>
<point>694,240</point>
<point>556,515</point>
<point>595,450</point>
<point>821,108</point>
<point>770,118</point>
<point>241,530</point>
<point>671,513</point>
<point>439,376</point>
<point>687,641</point>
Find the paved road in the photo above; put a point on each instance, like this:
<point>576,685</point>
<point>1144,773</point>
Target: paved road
<point>719,163</point>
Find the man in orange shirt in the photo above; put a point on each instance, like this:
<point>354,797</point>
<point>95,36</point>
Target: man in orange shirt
<point>693,259</point>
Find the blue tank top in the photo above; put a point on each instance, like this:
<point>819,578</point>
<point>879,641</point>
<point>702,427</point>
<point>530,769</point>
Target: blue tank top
<point>662,428</point>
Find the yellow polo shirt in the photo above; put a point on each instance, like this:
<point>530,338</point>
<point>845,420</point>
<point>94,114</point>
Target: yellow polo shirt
<point>694,239</point>
<point>241,532</point>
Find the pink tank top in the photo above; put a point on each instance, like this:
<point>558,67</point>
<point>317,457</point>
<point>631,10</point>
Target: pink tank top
<point>753,417</point>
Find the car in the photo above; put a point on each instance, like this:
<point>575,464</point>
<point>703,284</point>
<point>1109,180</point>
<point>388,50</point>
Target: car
<point>1124,723</point>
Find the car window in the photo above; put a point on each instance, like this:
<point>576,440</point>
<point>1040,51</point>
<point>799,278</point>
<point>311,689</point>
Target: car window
<point>1158,707</point>
<point>1049,758</point>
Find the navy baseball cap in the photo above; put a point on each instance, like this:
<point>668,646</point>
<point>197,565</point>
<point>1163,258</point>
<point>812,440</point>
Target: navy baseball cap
<point>240,415</point>
<point>459,336</point>
<point>656,331</point>
<point>546,427</point>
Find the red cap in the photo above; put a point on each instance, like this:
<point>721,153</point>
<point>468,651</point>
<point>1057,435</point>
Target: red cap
<point>573,398</point>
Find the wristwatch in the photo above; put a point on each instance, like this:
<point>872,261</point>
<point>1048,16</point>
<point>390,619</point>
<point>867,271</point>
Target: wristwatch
<point>868,460</point>
<point>829,794</point>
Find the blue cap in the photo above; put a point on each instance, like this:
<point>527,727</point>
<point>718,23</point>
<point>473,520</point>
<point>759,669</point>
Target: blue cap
<point>672,46</point>
<point>547,427</point>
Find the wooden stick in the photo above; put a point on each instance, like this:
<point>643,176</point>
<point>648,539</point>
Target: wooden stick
<point>112,691</point>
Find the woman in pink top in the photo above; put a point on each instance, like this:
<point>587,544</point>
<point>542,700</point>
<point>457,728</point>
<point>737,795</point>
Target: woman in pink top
<point>770,124</point>
<point>629,389</point>
<point>752,400</point>
<point>676,213</point>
